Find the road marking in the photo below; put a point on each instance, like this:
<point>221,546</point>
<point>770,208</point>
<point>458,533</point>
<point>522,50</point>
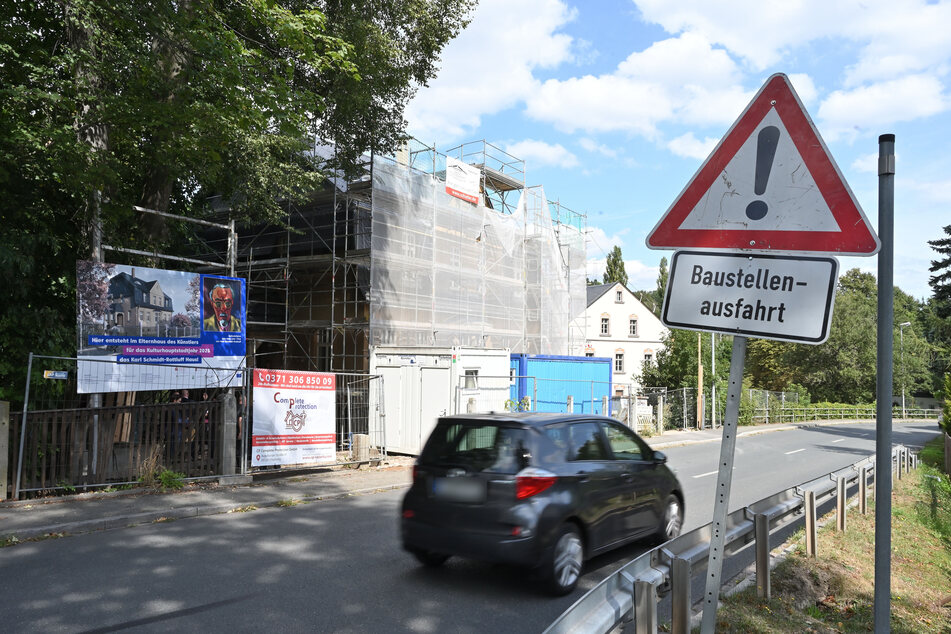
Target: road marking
<point>709,473</point>
<point>795,451</point>
<point>839,440</point>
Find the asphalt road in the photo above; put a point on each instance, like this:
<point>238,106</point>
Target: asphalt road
<point>336,565</point>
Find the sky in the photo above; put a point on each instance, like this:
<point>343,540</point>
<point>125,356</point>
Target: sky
<point>615,104</point>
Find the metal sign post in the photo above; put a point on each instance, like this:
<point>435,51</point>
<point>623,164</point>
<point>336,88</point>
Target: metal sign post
<point>883,425</point>
<point>721,503</point>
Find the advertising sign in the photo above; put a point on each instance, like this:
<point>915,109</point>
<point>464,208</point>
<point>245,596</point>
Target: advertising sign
<point>294,418</point>
<point>462,180</point>
<point>774,297</point>
<point>152,329</point>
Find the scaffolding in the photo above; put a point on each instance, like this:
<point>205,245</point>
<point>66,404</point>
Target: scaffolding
<point>389,258</point>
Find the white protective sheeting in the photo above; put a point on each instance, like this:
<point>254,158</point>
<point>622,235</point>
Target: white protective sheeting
<point>445,272</point>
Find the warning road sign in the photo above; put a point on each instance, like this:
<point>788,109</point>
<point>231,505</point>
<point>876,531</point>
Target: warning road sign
<point>770,185</point>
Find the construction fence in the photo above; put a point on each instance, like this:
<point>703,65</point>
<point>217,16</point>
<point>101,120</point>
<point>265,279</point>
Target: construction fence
<point>62,440</point>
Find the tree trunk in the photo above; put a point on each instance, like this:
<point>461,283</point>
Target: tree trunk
<point>947,454</point>
<point>89,124</point>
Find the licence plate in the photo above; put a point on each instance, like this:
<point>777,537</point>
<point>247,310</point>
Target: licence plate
<point>459,489</point>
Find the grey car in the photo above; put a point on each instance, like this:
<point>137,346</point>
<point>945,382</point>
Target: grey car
<point>544,491</point>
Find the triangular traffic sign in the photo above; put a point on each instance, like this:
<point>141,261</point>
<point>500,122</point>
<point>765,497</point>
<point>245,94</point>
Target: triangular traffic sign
<point>769,185</point>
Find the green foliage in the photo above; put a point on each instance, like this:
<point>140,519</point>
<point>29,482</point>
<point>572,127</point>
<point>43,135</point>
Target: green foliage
<point>171,479</point>
<point>66,486</point>
<point>523,405</point>
<point>941,280</point>
<point>614,268</point>
<point>661,290</point>
<point>105,105</point>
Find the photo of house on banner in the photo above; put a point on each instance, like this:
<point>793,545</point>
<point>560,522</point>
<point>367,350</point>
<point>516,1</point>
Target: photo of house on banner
<point>294,418</point>
<point>153,329</point>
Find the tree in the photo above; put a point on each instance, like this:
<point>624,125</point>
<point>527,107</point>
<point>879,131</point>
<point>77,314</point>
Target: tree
<point>614,267</point>
<point>941,281</point>
<point>107,105</point>
<point>661,289</point>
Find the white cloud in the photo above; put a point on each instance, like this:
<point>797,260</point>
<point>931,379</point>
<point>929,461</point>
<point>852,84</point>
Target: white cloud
<point>904,38</point>
<point>804,87</point>
<point>892,37</point>
<point>866,164</point>
<point>687,145</point>
<point>680,79</point>
<point>539,153</point>
<point>846,111</point>
<point>489,67</point>
<point>593,146</point>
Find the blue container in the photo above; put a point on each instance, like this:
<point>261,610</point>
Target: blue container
<point>550,379</point>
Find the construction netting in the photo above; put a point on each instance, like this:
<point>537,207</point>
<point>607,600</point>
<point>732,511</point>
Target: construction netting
<point>446,272</point>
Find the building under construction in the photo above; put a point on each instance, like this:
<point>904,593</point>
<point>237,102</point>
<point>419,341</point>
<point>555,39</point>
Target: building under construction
<point>391,259</point>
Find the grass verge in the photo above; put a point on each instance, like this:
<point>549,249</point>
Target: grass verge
<point>835,592</point>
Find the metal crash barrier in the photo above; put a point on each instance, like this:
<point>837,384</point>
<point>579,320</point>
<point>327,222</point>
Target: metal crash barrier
<point>632,592</point>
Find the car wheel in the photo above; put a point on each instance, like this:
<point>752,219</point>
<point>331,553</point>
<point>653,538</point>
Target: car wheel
<point>564,566</point>
<point>672,519</point>
<point>429,558</point>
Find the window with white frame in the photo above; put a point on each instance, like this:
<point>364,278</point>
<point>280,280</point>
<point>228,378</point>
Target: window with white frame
<point>619,362</point>
<point>648,356</point>
<point>472,379</point>
<point>605,326</point>
<point>632,326</point>
<point>619,297</point>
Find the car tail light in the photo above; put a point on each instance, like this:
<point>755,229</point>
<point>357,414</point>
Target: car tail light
<point>409,514</point>
<point>532,481</point>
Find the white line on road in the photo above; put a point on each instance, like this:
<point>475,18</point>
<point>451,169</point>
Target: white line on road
<point>795,451</point>
<point>703,475</point>
<point>839,440</point>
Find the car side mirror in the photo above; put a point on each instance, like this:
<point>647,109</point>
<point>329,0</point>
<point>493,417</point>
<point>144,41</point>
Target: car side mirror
<point>660,456</point>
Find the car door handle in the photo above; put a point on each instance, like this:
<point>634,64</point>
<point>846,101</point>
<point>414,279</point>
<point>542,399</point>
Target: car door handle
<point>583,476</point>
<point>628,476</point>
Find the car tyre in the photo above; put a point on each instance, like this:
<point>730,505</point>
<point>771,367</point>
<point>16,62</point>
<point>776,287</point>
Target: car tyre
<point>430,559</point>
<point>563,568</point>
<point>671,520</point>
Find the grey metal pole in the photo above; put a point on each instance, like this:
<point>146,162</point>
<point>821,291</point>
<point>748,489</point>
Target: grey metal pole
<point>721,500</point>
<point>883,427</point>
<point>26,401</point>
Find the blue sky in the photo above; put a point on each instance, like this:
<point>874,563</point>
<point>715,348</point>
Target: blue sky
<point>615,104</point>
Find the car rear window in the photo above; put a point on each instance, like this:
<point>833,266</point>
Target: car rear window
<point>478,447</point>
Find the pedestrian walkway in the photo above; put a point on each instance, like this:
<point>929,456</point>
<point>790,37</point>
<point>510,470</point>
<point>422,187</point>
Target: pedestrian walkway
<point>32,519</point>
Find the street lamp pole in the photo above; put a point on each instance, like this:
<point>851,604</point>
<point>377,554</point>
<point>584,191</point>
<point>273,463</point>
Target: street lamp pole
<point>901,347</point>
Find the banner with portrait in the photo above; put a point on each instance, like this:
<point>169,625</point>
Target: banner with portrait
<point>141,328</point>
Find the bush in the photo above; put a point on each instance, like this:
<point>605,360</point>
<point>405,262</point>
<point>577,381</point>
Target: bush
<point>171,479</point>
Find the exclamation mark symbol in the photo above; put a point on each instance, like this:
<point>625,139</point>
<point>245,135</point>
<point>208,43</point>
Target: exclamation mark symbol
<point>766,143</point>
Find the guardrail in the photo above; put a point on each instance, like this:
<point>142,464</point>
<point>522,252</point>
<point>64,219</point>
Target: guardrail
<point>633,590</point>
<point>805,414</point>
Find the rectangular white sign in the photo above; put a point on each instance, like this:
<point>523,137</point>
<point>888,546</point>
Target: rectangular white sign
<point>463,180</point>
<point>294,418</point>
<point>787,298</point>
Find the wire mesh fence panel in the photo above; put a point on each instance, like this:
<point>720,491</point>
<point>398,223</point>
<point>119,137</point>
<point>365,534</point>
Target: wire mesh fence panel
<point>680,408</point>
<point>481,394</point>
<point>360,434</point>
<point>69,440</point>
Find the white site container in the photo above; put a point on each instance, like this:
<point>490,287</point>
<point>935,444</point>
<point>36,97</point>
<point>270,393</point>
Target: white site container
<point>422,384</point>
